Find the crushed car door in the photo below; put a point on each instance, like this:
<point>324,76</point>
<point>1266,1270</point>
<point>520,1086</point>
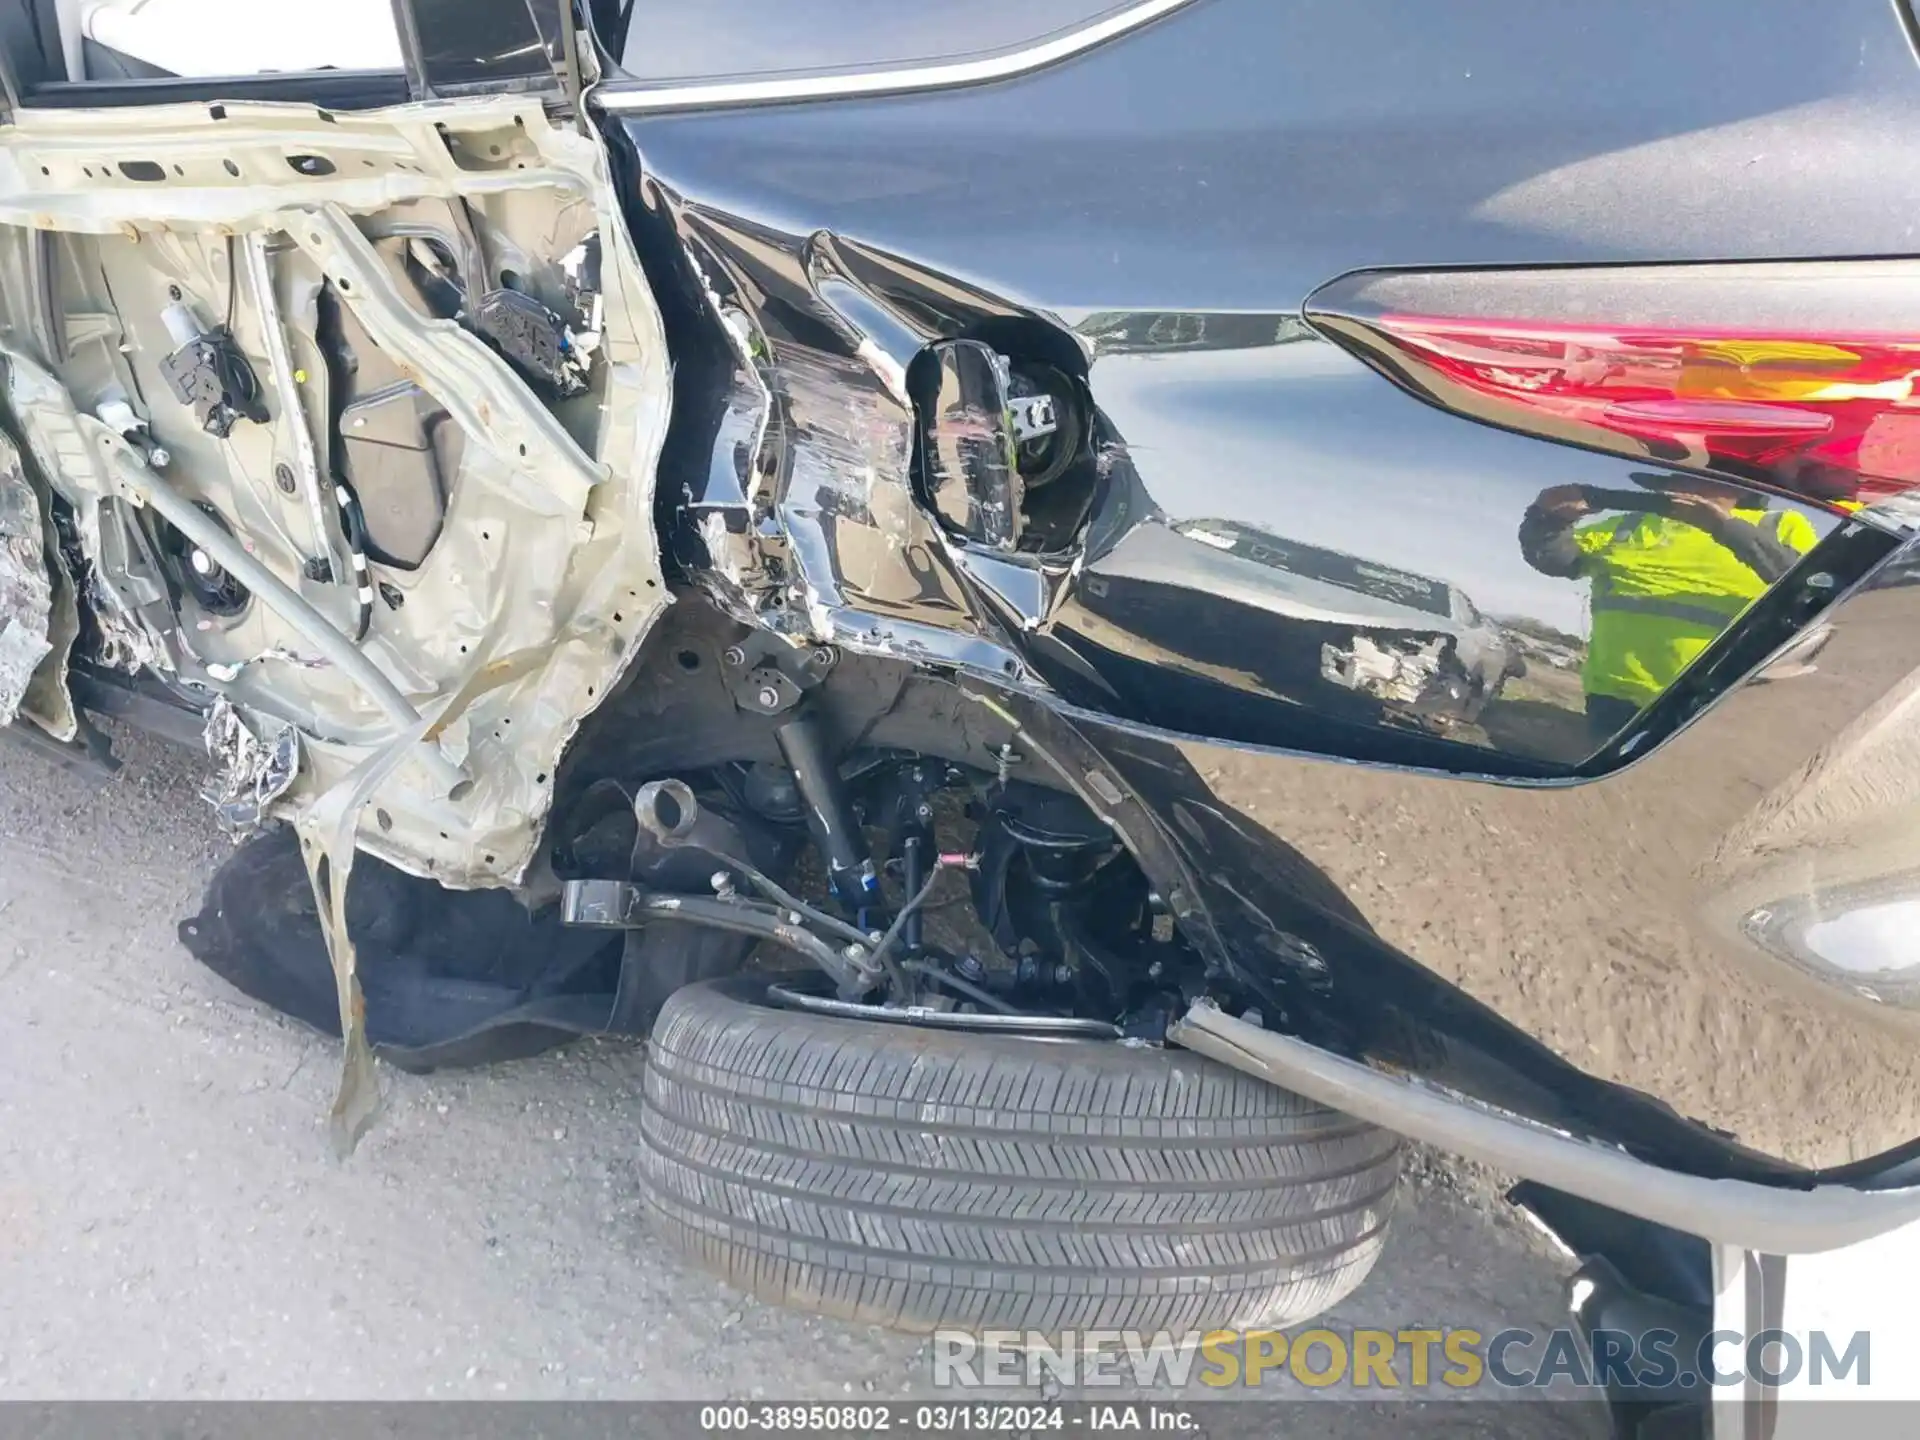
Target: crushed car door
<point>348,419</point>
<point>337,398</point>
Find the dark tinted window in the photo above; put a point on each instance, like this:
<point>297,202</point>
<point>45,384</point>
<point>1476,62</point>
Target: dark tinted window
<point>675,40</point>
<point>464,43</point>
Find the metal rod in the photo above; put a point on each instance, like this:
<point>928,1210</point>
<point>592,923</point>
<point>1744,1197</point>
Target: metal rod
<point>293,414</point>
<point>967,988</point>
<point>829,816</point>
<point>914,873</point>
<point>684,834</point>
<point>570,70</point>
<point>743,919</point>
<point>1772,1220</point>
<point>883,952</point>
<point>788,901</point>
<point>622,905</point>
<point>281,598</point>
<point>1053,1026</point>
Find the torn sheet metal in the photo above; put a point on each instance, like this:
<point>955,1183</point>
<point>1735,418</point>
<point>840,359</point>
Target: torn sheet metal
<point>544,577</point>
<point>26,587</point>
<point>329,835</point>
<point>806,518</point>
<point>327,830</point>
<point>254,764</point>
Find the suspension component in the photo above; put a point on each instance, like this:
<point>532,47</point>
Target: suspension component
<point>620,905</point>
<point>830,815</point>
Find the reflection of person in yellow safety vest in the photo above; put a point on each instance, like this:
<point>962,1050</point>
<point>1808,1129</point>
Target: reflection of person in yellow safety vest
<point>1669,573</point>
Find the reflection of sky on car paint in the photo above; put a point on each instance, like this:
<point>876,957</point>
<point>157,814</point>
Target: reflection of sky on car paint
<point>669,40</point>
<point>1873,939</point>
<point>1290,437</point>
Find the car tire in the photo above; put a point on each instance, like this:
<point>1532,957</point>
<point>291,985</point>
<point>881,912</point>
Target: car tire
<point>919,1178</point>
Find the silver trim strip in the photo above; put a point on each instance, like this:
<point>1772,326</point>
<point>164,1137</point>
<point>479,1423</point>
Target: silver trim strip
<point>635,99</point>
<point>1763,1218</point>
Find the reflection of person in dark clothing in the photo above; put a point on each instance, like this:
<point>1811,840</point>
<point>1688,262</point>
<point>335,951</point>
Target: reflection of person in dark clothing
<point>1670,572</point>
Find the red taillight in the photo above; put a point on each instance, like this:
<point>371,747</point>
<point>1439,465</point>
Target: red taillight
<point>1826,413</point>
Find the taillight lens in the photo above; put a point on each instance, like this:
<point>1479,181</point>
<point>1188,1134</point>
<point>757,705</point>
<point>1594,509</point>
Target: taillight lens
<point>1823,407</point>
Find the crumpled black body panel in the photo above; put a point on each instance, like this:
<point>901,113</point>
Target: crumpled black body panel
<point>1693,911</point>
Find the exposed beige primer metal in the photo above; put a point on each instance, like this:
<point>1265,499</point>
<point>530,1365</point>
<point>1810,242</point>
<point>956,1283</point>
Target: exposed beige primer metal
<point>544,578</point>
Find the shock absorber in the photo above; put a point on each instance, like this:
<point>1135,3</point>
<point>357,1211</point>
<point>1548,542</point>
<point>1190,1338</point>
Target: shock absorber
<point>830,815</point>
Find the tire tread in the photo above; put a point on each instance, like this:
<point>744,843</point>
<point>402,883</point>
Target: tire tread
<point>918,1178</point>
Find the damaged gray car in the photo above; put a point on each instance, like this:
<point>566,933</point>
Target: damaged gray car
<point>740,528</point>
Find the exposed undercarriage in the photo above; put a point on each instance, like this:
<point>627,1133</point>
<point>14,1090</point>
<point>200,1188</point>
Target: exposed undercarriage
<point>582,591</point>
<point>925,857</point>
<point>348,460</point>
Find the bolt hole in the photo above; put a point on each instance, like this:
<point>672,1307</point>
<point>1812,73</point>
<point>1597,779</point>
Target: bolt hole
<point>651,584</point>
<point>346,286</point>
<point>45,171</point>
<point>541,778</point>
<point>618,618</point>
<point>143,171</point>
<point>463,649</point>
<point>84,170</point>
<point>367,163</point>
<point>178,171</point>
<point>520,121</point>
<point>231,168</point>
<point>216,112</point>
<point>493,149</point>
<point>489,859</point>
<point>523,450</point>
<point>461,789</point>
<point>689,660</point>
<point>310,164</point>
<point>383,819</point>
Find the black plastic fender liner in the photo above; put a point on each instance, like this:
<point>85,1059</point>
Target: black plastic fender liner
<point>1772,1220</point>
<point>452,978</point>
